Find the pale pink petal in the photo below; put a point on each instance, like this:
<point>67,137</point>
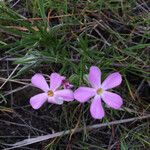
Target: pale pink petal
<point>39,81</point>
<point>96,108</point>
<point>66,84</point>
<point>82,94</point>
<point>63,77</point>
<point>112,81</point>
<point>55,100</point>
<point>65,94</point>
<point>38,100</point>
<point>111,99</point>
<point>94,77</point>
<point>51,100</point>
<point>55,81</point>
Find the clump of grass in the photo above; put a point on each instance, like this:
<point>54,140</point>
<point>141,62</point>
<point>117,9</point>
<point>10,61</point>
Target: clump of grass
<point>68,37</point>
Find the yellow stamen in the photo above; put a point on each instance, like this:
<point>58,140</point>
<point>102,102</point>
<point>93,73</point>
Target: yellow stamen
<point>50,93</point>
<point>99,91</point>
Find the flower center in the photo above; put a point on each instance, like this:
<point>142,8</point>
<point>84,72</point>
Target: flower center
<point>99,91</point>
<point>50,93</point>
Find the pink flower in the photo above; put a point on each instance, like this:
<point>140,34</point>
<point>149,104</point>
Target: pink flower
<point>51,93</point>
<point>66,84</point>
<point>99,91</point>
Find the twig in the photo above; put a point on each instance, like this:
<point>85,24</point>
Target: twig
<point>140,86</point>
<point>17,89</point>
<point>10,76</point>
<point>15,3</point>
<point>15,81</point>
<point>62,133</point>
<point>10,85</point>
<point>105,41</point>
<point>23,125</point>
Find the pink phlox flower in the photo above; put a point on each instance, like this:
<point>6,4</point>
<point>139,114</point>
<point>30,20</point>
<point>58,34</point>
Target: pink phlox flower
<point>51,93</point>
<point>66,84</point>
<point>99,91</point>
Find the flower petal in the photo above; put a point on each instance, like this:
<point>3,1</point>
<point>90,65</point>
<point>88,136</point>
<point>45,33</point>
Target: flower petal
<point>82,94</point>
<point>96,108</point>
<point>94,77</point>
<point>112,81</point>
<point>111,99</point>
<point>63,77</point>
<point>38,100</point>
<point>39,81</point>
<point>66,84</point>
<point>65,94</point>
<point>55,100</point>
<point>55,81</point>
